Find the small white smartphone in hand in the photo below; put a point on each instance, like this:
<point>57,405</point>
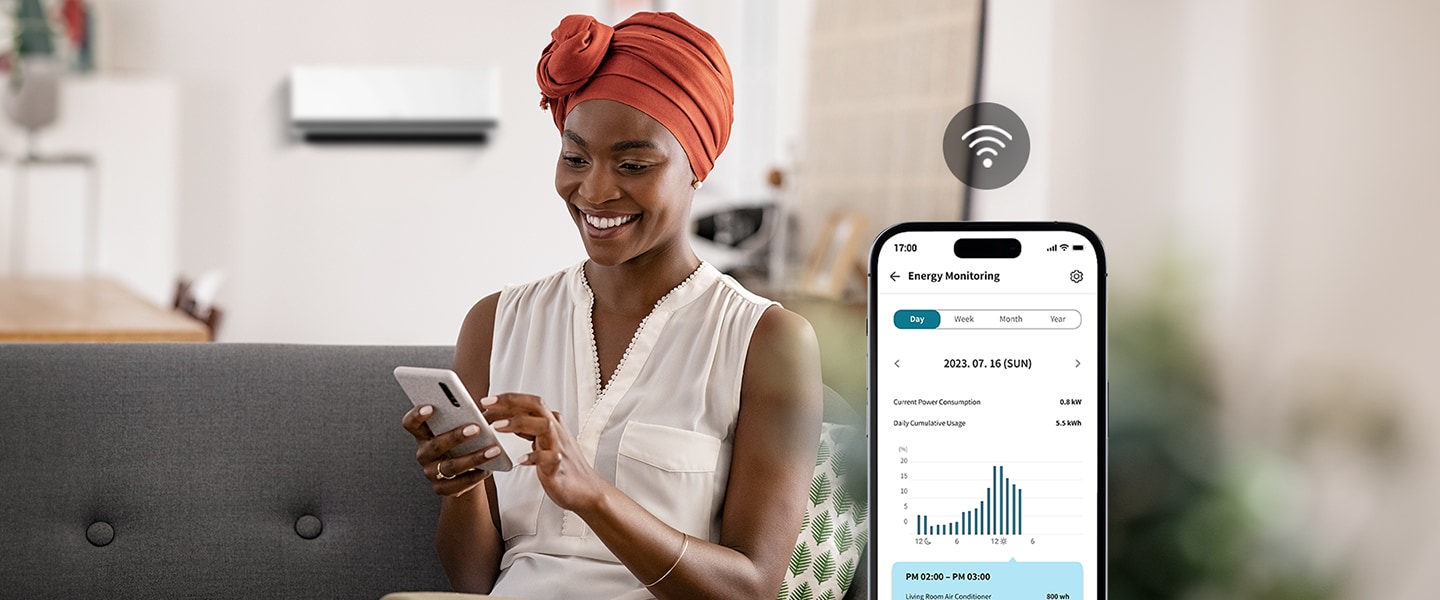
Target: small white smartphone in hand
<point>442,389</point>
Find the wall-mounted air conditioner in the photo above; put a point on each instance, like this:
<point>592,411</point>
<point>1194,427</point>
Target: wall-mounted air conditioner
<point>419,103</point>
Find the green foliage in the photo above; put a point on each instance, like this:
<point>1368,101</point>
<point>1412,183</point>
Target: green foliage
<point>841,465</point>
<point>821,527</point>
<point>799,559</point>
<point>844,538</point>
<point>803,592</point>
<point>823,454</point>
<point>847,573</point>
<point>32,30</point>
<point>819,489</point>
<point>1177,524</point>
<point>841,499</point>
<point>824,566</point>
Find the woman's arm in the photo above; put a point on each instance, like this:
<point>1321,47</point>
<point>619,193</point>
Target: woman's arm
<point>776,437</point>
<point>468,534</point>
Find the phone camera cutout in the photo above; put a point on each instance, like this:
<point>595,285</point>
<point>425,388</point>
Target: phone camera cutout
<point>987,248</point>
<point>449,395</point>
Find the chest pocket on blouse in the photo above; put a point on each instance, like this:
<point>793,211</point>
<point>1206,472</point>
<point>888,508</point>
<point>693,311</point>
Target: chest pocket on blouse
<point>671,472</point>
<point>519,496</point>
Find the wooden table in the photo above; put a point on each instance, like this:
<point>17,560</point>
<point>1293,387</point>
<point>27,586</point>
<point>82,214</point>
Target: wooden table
<point>87,310</point>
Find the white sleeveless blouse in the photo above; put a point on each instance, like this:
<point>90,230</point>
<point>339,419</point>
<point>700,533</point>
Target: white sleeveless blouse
<point>661,432</point>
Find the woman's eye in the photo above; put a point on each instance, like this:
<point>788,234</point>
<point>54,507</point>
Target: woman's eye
<point>633,167</point>
<point>573,161</point>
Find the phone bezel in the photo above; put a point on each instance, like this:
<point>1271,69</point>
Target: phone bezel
<point>871,406</point>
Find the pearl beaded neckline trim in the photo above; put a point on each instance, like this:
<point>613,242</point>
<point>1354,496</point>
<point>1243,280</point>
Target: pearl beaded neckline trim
<point>601,388</point>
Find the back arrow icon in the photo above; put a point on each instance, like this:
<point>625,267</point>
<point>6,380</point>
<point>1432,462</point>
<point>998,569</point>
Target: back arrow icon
<point>897,363</point>
<point>893,276</point>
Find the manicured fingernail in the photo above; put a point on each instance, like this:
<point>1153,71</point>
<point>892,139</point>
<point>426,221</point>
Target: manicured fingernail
<point>493,452</point>
<point>488,400</point>
<point>426,410</point>
<point>470,430</point>
<point>501,423</point>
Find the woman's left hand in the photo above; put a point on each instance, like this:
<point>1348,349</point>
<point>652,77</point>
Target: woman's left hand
<point>564,474</point>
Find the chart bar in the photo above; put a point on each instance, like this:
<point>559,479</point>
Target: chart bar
<point>1001,512</point>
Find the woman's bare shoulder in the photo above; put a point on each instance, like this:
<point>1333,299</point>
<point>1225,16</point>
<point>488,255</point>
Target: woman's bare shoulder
<point>779,326</point>
<point>783,357</point>
<point>481,314</point>
<point>472,346</point>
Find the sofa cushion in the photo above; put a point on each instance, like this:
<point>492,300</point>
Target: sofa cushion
<point>214,471</point>
<point>834,531</point>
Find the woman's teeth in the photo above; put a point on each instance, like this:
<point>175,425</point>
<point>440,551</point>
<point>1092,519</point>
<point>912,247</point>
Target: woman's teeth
<point>608,222</point>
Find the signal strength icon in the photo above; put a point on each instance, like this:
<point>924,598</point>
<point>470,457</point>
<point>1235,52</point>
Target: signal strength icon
<point>1052,248</point>
<point>987,162</point>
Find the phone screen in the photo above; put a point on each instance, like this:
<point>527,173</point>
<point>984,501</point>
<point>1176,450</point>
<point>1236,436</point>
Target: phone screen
<point>987,410</point>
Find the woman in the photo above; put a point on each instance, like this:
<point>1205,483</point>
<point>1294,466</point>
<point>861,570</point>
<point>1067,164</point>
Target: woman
<point>672,416</point>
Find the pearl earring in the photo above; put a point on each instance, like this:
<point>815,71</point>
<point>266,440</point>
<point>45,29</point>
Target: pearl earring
<point>697,184</point>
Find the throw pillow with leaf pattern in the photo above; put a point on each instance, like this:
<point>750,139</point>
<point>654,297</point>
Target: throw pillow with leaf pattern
<point>833,533</point>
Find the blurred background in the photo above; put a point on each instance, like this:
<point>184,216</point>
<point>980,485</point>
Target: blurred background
<point>1262,175</point>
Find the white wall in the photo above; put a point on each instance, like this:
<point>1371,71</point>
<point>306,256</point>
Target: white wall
<point>1017,72</point>
<point>369,244</point>
<point>1287,151</point>
<point>128,127</point>
<point>1350,137</point>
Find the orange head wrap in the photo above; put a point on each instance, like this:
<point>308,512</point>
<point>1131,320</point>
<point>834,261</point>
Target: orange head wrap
<point>657,63</point>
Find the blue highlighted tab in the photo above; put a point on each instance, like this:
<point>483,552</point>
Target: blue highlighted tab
<point>917,319</point>
<point>996,581</point>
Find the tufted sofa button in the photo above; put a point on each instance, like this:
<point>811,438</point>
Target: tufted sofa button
<point>100,533</point>
<point>309,527</point>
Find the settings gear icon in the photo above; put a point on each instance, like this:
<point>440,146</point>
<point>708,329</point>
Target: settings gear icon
<point>1076,276</point>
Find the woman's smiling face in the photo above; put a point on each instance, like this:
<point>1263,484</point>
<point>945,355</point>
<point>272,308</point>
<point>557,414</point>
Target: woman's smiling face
<point>625,179</point>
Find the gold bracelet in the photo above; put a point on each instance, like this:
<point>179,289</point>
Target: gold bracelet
<point>683,548</point>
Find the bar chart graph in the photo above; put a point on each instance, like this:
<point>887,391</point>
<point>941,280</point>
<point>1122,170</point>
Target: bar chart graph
<point>1001,512</point>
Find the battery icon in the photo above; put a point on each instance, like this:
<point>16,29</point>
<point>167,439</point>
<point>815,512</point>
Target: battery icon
<point>1078,247</point>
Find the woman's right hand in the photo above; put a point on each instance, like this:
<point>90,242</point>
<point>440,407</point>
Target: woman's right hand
<point>460,474</point>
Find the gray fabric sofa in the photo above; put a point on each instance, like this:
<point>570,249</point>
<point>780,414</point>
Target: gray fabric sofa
<point>214,471</point>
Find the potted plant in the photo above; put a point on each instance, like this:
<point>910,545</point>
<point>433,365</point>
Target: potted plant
<point>32,98</point>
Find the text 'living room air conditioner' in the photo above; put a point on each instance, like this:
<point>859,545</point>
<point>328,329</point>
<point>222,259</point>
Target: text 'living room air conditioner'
<point>400,104</point>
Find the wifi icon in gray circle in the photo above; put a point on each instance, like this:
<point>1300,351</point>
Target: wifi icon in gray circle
<point>986,145</point>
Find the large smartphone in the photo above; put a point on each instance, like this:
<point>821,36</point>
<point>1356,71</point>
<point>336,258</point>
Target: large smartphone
<point>442,389</point>
<point>987,412</point>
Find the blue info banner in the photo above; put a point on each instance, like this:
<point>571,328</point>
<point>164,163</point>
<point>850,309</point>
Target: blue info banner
<point>987,581</point>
